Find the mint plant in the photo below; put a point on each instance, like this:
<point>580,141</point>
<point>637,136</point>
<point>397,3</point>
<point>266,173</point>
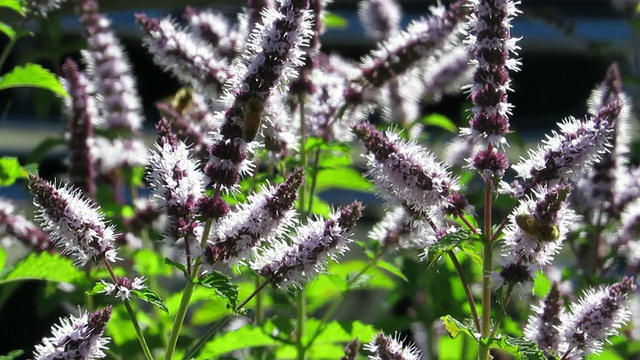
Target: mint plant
<point>215,242</point>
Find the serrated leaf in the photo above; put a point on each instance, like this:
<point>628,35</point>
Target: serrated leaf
<point>455,327</point>
<point>44,266</point>
<point>15,5</point>
<point>440,121</point>
<point>448,243</point>
<point>519,347</point>
<point>150,297</point>
<point>333,21</point>
<point>10,171</point>
<point>222,285</point>
<point>32,75</point>
<point>392,269</point>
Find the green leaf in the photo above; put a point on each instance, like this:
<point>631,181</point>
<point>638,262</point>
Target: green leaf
<point>519,347</point>
<point>134,176</point>
<point>448,243</point>
<point>177,266</point>
<point>333,21</point>
<point>541,284</point>
<point>440,121</point>
<point>342,178</point>
<point>455,327</point>
<point>44,266</point>
<point>246,337</point>
<point>12,355</point>
<point>150,263</point>
<point>392,269</point>
<point>15,5</point>
<point>10,171</point>
<point>38,153</point>
<point>31,168</point>
<point>7,30</point>
<point>150,297</point>
<point>98,288</point>
<point>32,75</point>
<point>223,287</point>
<point>320,207</point>
<point>3,258</point>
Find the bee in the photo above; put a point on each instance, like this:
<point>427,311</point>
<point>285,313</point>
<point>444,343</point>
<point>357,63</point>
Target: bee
<point>253,109</point>
<point>182,100</point>
<point>542,230</point>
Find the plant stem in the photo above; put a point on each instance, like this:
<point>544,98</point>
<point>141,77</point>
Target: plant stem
<point>7,49</point>
<point>487,266</point>
<point>467,289</point>
<point>186,295</point>
<point>301,313</point>
<point>132,315</point>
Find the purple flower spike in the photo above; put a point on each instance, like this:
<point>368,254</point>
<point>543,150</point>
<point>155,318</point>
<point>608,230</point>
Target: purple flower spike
<point>263,217</point>
<point>73,222</point>
<point>405,173</point>
<point>568,154</point>
<point>23,230</point>
<point>384,347</point>
<point>180,53</point>
<point>422,39</point>
<point>76,338</point>
<point>543,326</point>
<point>598,315</point>
<point>291,264</point>
<point>43,7</point>
<point>82,114</point>
<point>381,18</point>
<point>177,183</point>
<point>491,43</point>
<point>110,70</point>
<point>490,163</point>
<point>214,29</point>
<point>273,51</point>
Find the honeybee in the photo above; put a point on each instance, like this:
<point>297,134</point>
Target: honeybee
<point>182,100</point>
<point>253,109</point>
<point>542,230</point>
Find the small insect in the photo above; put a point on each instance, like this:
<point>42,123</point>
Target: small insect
<point>542,230</point>
<point>253,109</point>
<point>182,100</point>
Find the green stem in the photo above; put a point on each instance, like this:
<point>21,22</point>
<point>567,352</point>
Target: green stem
<point>186,295</point>
<point>487,266</point>
<point>467,288</point>
<point>132,316</point>
<point>303,152</point>
<point>259,318</point>
<point>301,312</point>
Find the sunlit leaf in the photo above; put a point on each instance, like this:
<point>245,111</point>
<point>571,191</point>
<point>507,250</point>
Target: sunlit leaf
<point>15,5</point>
<point>32,75</point>
<point>333,21</point>
<point>44,266</point>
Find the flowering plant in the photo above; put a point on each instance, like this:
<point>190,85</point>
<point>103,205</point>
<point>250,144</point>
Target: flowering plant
<point>215,243</point>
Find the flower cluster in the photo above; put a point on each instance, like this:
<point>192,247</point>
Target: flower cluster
<point>384,347</point>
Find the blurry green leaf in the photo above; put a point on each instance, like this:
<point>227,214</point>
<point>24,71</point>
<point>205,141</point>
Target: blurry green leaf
<point>150,297</point>
<point>12,355</point>
<point>3,258</point>
<point>339,332</point>
<point>342,178</point>
<point>150,263</point>
<point>448,243</point>
<point>44,266</point>
<point>15,5</point>
<point>392,269</point>
<point>31,168</point>
<point>98,288</point>
<point>519,347</point>
<point>222,285</point>
<point>247,336</point>
<point>333,21</point>
<point>7,30</point>
<point>177,266</point>
<point>541,284</point>
<point>440,121</point>
<point>10,171</point>
<point>134,176</point>
<point>455,327</point>
<point>320,207</point>
<point>32,75</point>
